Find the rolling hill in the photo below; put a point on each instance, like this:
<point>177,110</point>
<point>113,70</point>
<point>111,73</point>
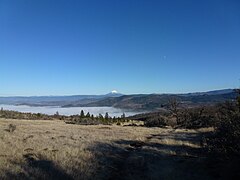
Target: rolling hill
<point>155,101</point>
<point>133,102</point>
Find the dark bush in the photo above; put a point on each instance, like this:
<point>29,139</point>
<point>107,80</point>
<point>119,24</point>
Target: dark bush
<point>11,128</point>
<point>224,144</point>
<point>118,123</point>
<point>155,122</point>
<point>198,117</point>
<point>226,139</point>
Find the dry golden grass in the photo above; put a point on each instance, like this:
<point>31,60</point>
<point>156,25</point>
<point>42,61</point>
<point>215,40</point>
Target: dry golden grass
<point>55,150</point>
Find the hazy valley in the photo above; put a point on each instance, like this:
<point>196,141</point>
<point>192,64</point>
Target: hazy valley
<point>136,102</point>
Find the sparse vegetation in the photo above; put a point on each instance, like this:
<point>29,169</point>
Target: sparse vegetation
<point>190,118</point>
<point>82,119</point>
<point>18,115</point>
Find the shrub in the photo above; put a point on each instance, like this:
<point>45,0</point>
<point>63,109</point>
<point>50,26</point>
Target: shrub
<point>11,128</point>
<point>223,145</point>
<point>118,123</point>
<point>198,117</point>
<point>155,122</point>
<point>227,134</point>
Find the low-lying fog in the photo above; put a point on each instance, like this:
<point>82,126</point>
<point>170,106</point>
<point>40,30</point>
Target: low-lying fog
<point>50,110</point>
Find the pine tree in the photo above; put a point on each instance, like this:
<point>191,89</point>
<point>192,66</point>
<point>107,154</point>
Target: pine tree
<point>82,114</point>
<point>123,116</point>
<point>101,117</point>
<point>106,116</point>
<point>88,115</point>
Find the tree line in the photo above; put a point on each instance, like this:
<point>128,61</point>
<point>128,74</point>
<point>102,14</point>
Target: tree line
<point>81,118</point>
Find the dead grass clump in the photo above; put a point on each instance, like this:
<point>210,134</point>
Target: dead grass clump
<point>28,150</point>
<point>104,127</point>
<point>28,137</point>
<point>11,128</point>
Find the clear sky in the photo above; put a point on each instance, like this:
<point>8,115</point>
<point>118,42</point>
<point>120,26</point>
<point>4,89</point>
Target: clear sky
<point>62,47</point>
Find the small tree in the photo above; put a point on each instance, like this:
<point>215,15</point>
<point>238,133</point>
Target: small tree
<point>100,117</point>
<point>174,108</point>
<point>88,115</point>
<point>56,115</point>
<point>82,115</point>
<point>106,117</point>
<point>123,116</point>
<point>1,111</point>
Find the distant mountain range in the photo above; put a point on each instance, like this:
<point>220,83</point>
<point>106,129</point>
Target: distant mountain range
<point>134,102</point>
<point>216,92</point>
<point>54,100</point>
<point>155,101</point>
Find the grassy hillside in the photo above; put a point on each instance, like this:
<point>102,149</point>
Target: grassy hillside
<point>55,150</point>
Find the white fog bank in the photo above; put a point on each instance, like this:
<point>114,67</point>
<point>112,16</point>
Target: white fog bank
<point>50,110</point>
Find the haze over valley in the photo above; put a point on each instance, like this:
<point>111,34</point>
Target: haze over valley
<point>114,103</point>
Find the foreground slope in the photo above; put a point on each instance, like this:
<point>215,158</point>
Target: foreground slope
<point>55,150</point>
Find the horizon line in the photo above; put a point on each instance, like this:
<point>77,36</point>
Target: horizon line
<point>189,92</point>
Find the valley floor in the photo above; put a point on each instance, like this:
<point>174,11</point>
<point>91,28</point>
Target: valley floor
<point>55,150</point>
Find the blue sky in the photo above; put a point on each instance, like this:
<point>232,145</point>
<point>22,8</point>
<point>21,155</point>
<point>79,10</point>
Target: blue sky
<point>62,47</point>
